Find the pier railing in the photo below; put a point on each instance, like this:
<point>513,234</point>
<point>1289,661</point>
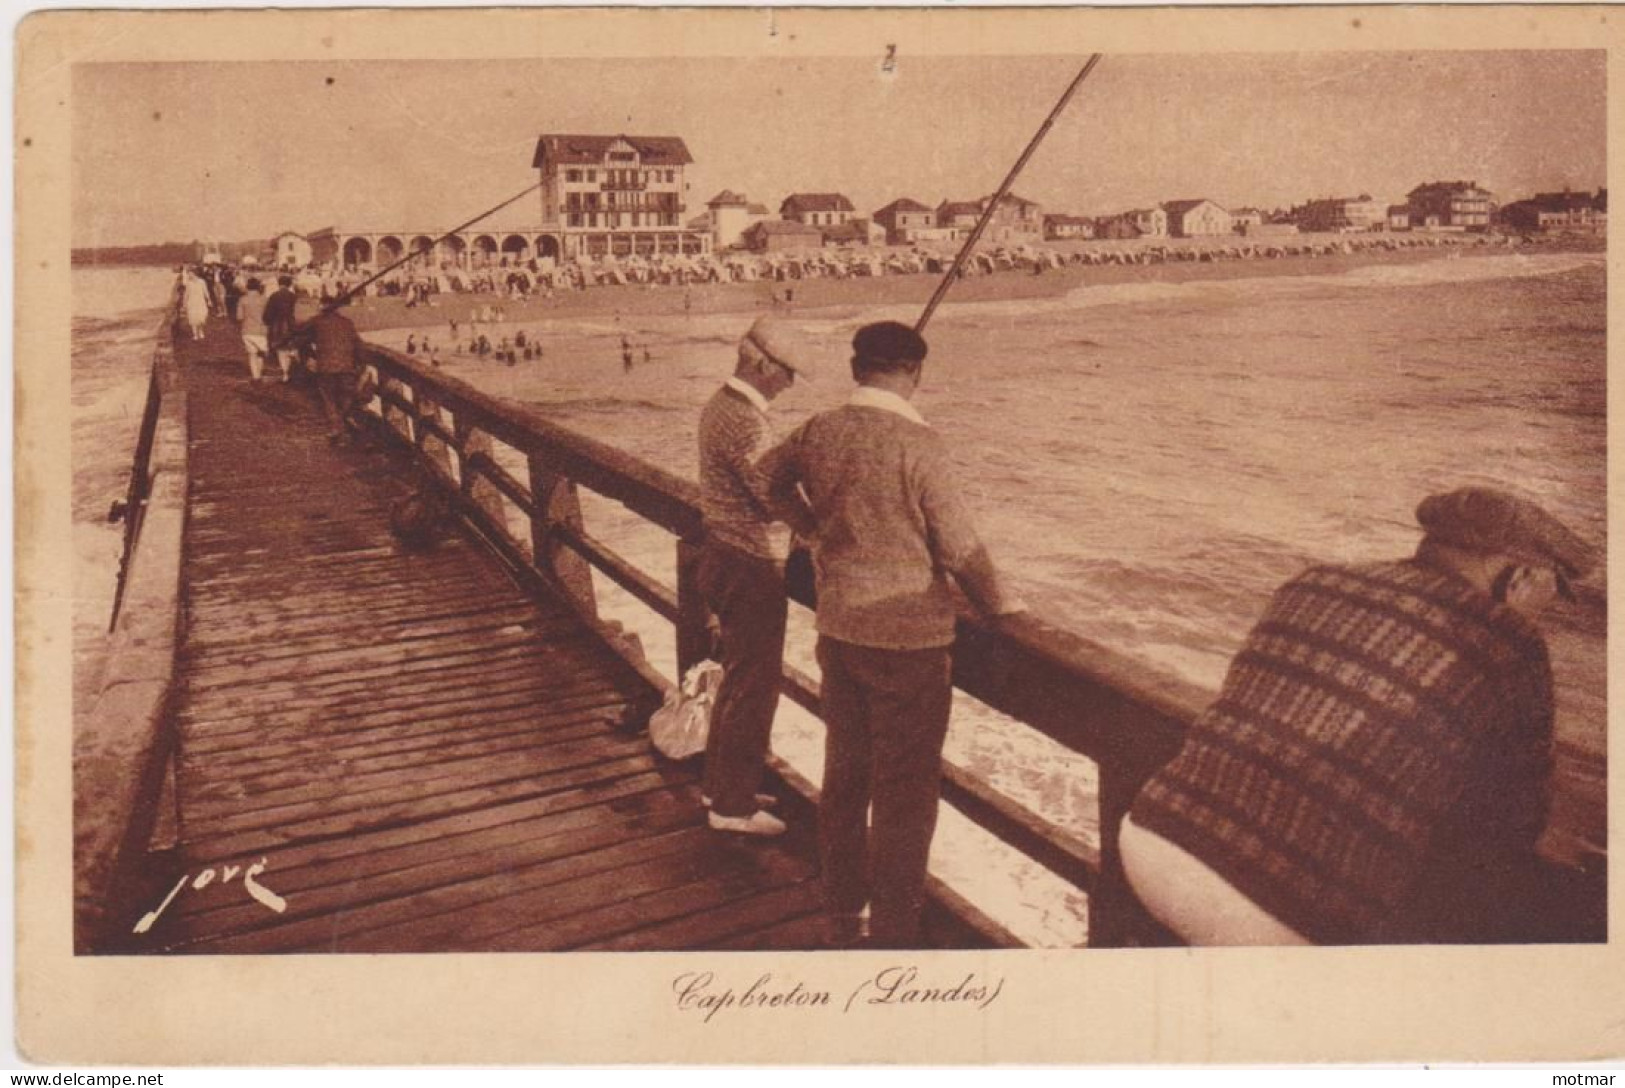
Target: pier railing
<point>123,743</point>
<point>1126,717</point>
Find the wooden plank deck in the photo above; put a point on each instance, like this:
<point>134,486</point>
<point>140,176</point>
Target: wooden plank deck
<point>423,757</point>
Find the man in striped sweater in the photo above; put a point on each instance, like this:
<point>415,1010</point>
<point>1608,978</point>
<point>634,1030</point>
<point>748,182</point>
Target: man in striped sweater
<point>741,573</point>
<point>1375,767</point>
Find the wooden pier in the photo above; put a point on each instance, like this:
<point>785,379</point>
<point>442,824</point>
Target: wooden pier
<point>415,753</point>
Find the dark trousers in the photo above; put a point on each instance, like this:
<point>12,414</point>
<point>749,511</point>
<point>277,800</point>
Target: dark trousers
<point>746,594</point>
<point>338,391</point>
<point>886,714</point>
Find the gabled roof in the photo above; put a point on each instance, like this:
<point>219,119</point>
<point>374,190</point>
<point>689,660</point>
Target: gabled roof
<point>756,209</point>
<point>1180,207</point>
<point>1067,220</point>
<point>1446,187</point>
<point>728,198</point>
<point>815,202</point>
<point>590,150</point>
<point>1564,201</point>
<point>1008,198</point>
<point>291,233</point>
<point>959,207</point>
<point>902,204</point>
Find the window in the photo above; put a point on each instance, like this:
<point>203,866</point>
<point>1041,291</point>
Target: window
<point>671,176</point>
<point>592,175</point>
<point>572,175</point>
<point>623,156</point>
<point>575,219</point>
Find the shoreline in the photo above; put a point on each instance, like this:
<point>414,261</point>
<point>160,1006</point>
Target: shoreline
<point>643,300</point>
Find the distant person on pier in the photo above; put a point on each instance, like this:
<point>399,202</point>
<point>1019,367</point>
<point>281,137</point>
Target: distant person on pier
<point>251,318</point>
<point>195,302</point>
<point>890,531</point>
<point>741,574</point>
<point>1374,769</point>
<point>278,319</point>
<point>232,289</point>
<point>337,363</point>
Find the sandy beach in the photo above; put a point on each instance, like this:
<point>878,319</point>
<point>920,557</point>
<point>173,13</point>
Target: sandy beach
<point>642,300</point>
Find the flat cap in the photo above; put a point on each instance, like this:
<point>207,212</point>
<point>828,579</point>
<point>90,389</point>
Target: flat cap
<point>1484,519</point>
<point>773,339</point>
<point>889,340</point>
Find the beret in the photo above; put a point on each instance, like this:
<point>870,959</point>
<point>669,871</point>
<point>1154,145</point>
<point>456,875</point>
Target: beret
<point>890,340</point>
<point>1484,519</point>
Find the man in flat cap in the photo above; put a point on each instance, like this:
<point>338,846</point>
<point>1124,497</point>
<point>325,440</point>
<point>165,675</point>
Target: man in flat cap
<point>741,573</point>
<point>1375,767</point>
<point>337,361</point>
<point>891,529</point>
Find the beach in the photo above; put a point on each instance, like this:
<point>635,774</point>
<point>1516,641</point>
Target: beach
<point>895,290</point>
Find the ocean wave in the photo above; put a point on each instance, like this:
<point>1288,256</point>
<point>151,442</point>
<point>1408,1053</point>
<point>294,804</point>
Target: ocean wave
<point>1441,271</point>
<point>617,405</point>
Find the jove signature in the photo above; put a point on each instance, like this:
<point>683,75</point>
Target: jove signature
<point>263,895</point>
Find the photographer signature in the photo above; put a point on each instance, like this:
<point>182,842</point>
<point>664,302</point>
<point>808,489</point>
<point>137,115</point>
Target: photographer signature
<point>260,893</point>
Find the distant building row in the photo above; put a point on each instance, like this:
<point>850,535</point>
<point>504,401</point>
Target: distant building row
<point>819,219</point>
<point>1436,205</point>
<point>624,196</point>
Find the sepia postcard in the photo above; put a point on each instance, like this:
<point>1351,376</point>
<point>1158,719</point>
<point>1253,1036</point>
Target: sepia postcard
<point>800,535</point>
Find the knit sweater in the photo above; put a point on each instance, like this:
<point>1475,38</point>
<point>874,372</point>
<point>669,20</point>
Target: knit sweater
<point>734,433</point>
<point>1380,746</point>
<point>891,527</point>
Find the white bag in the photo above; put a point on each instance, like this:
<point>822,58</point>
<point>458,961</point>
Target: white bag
<point>678,729</point>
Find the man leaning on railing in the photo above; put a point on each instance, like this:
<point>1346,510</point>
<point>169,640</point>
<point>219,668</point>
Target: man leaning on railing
<point>1374,769</point>
<point>890,530</point>
<point>337,362</point>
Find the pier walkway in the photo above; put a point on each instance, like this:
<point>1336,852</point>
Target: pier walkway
<point>413,753</point>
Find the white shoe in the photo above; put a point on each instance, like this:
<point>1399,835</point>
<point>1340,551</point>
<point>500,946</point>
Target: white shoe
<point>757,823</point>
<point>763,800</point>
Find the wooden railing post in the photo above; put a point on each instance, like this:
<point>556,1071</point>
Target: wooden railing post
<point>557,504</point>
<point>396,417</point>
<point>432,445</point>
<point>1111,902</point>
<point>470,442</point>
<point>693,617</point>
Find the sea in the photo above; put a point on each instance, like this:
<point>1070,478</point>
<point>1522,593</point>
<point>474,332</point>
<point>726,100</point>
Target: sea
<point>1147,461</point>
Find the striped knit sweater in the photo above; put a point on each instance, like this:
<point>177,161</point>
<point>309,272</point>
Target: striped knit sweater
<point>734,433</point>
<point>1378,752</point>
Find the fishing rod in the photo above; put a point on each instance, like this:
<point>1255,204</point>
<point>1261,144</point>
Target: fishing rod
<point>353,291</point>
<point>1004,187</point>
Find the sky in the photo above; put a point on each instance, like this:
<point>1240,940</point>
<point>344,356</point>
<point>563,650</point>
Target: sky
<point>237,151</point>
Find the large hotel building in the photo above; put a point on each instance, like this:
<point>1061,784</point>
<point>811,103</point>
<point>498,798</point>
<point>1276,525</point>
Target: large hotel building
<point>617,195</point>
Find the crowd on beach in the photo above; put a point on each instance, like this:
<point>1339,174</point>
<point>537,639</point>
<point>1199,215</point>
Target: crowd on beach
<point>419,281</point>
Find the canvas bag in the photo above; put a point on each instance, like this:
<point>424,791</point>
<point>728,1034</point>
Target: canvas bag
<point>679,728</point>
